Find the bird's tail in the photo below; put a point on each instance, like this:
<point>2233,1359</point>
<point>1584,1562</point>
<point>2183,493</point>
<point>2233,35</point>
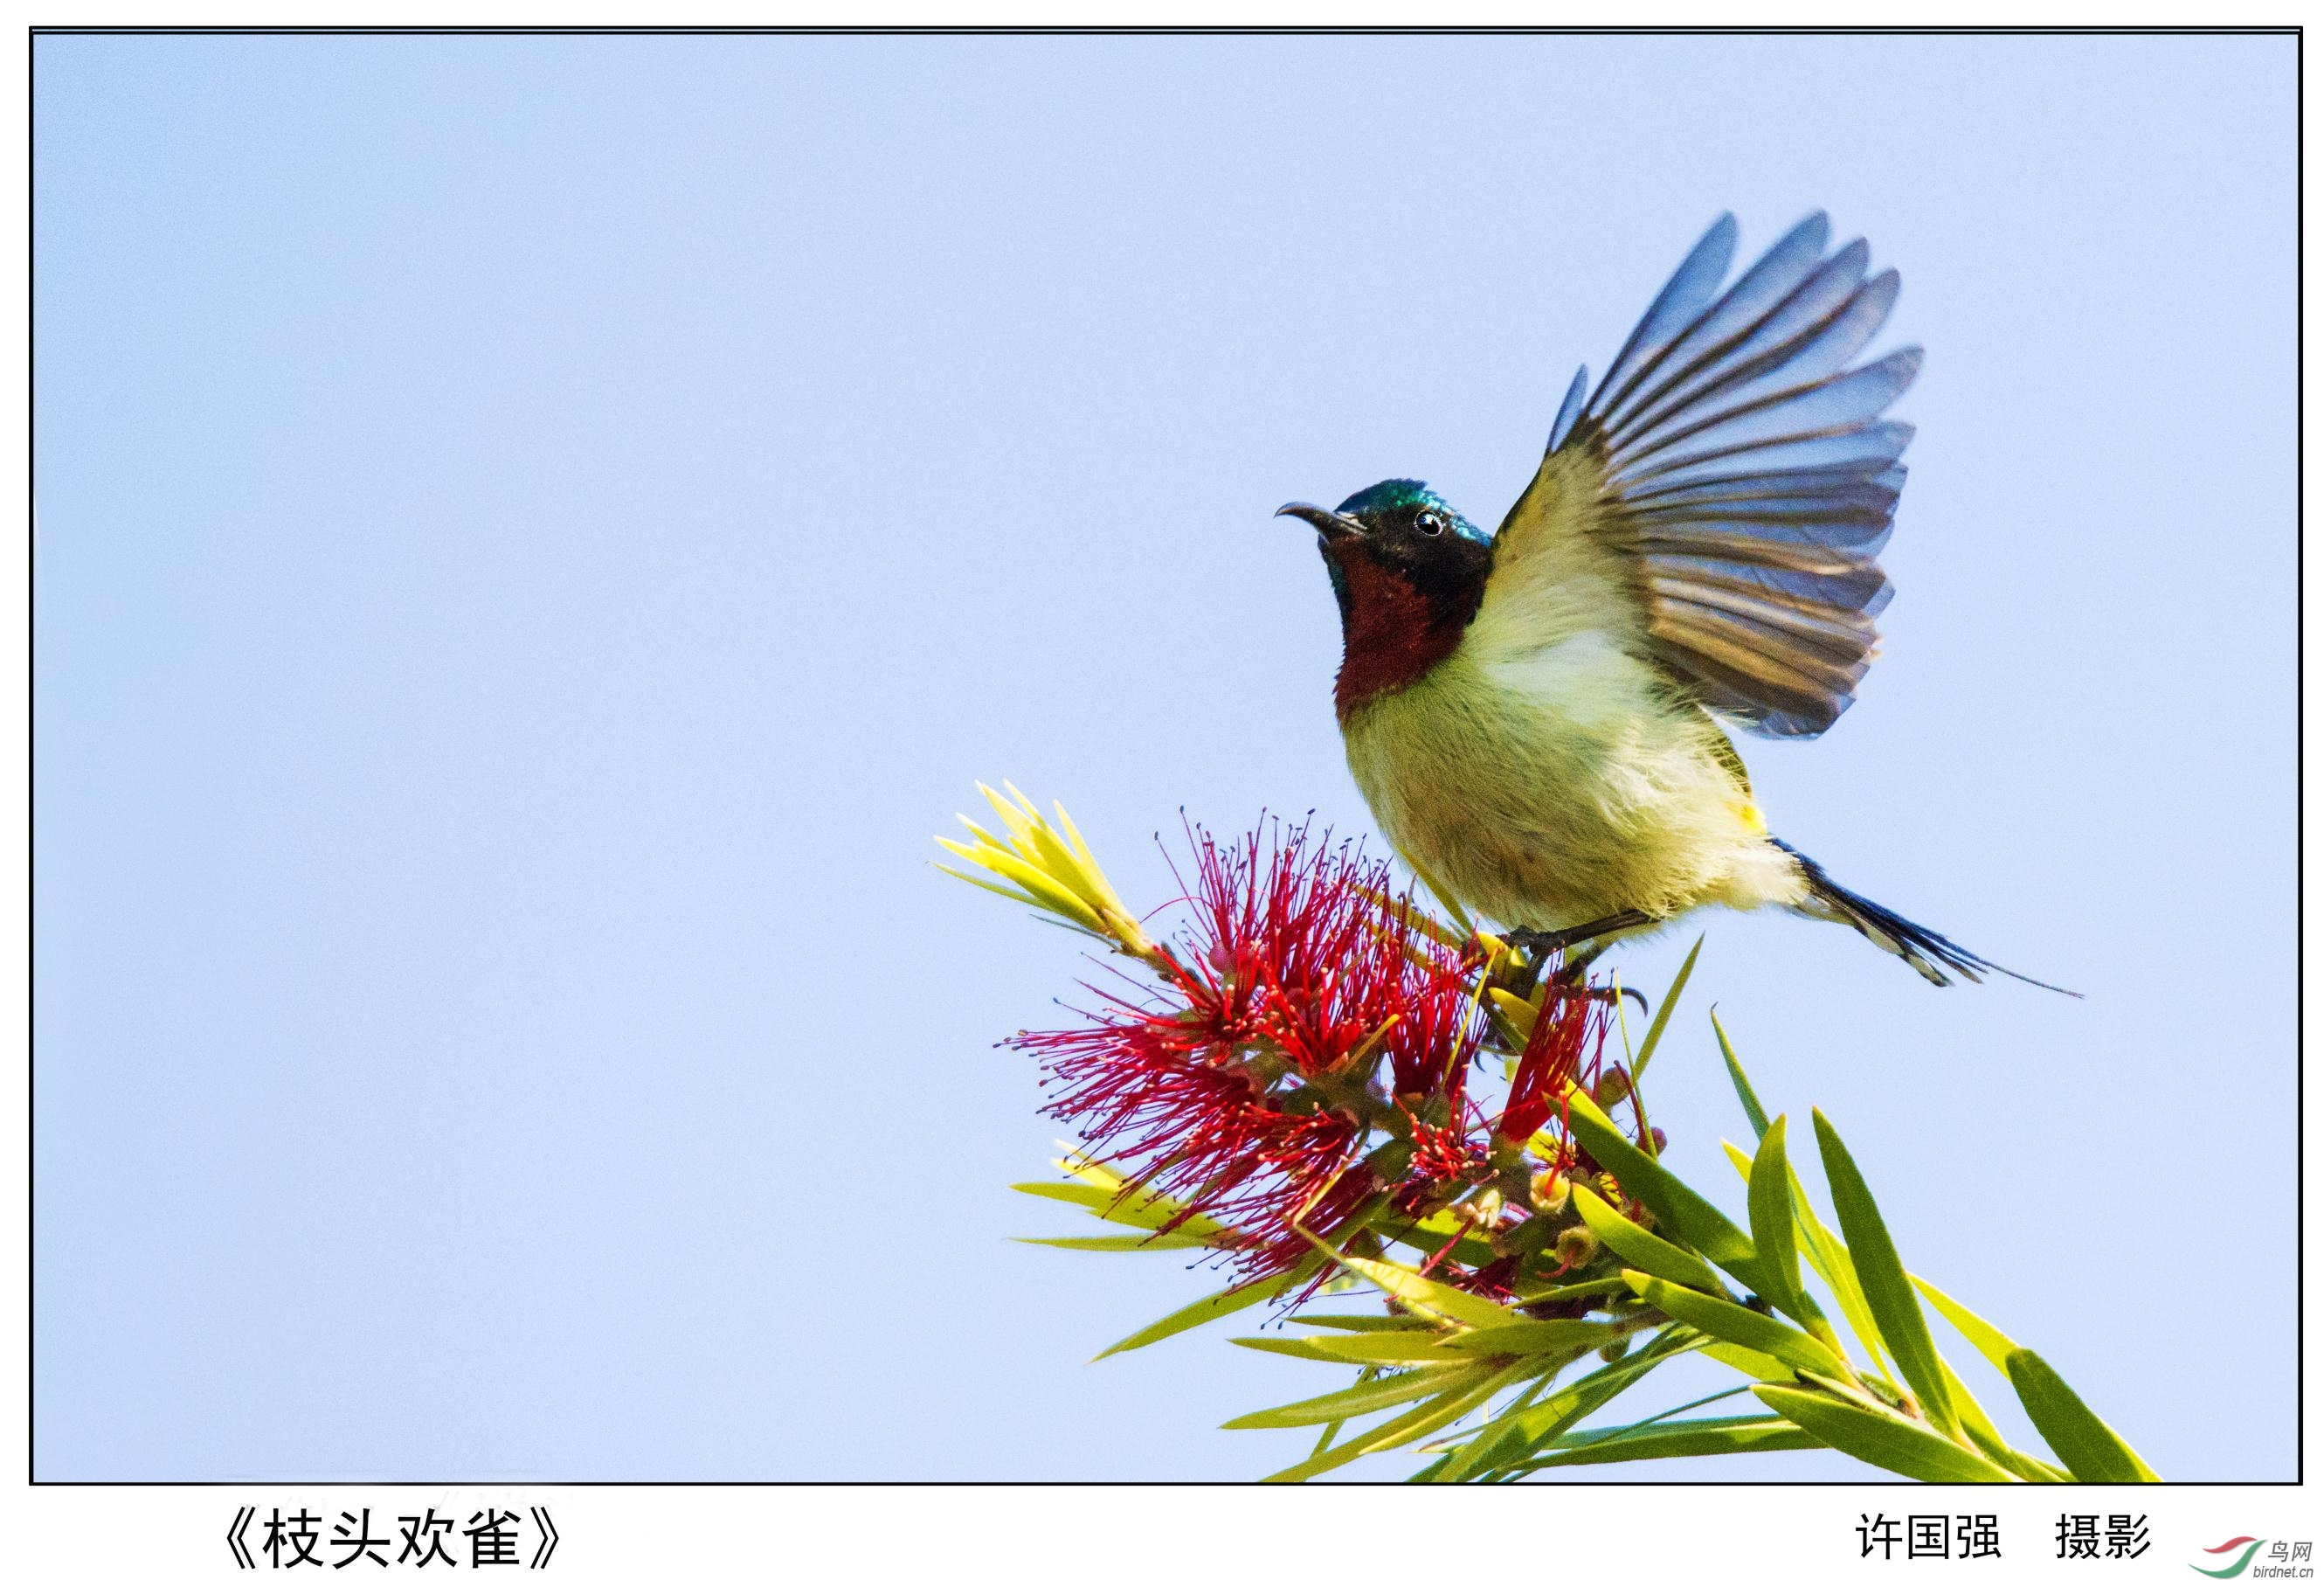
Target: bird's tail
<point>1933,956</point>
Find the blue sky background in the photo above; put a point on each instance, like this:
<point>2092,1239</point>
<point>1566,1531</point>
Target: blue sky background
<point>535,535</point>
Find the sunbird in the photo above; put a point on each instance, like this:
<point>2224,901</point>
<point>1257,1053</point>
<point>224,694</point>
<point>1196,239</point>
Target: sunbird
<point>1537,717</point>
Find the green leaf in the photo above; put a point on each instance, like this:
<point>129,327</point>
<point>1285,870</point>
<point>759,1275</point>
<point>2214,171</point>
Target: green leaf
<point>1431,1296</point>
<point>1305,1349</point>
<point>1371,1323</point>
<point>1056,898</point>
<point>1208,1309</point>
<point>1833,1264</point>
<point>1751,1364</point>
<point>1740,1325</point>
<point>1991,1343</point>
<point>1681,1212</point>
<point>1983,1434</point>
<point>1548,1417</point>
<point>1545,1337</point>
<point>1752,1111</point>
<point>1584,1395</point>
<point>1463,1460</point>
<point>1720,1436</point>
<point>1146,1210</point>
<point>1371,1395</point>
<point>1370,1349</point>
<point>1772,1236</point>
<point>1882,1438</point>
<point>1570,1405</point>
<point>1829,1257</point>
<point>1643,1250</point>
<point>1886,1291</point>
<point>1588,1286</point>
<point>1010,893</point>
<point>1442,1231</point>
<point>1662,1014</point>
<point>1118,1242</point>
<point>1426,1419</point>
<point>2092,1451</point>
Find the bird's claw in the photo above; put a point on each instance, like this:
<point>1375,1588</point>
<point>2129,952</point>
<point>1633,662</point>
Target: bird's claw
<point>1574,990</point>
<point>1542,945</point>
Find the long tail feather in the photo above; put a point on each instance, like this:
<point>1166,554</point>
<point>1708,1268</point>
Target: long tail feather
<point>1935,957</point>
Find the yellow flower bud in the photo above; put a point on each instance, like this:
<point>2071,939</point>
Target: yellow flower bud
<point>1551,1189</point>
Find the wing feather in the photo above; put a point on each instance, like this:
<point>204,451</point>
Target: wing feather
<point>1735,478</point>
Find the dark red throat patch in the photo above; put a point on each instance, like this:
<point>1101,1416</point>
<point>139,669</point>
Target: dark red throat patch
<point>1394,633</point>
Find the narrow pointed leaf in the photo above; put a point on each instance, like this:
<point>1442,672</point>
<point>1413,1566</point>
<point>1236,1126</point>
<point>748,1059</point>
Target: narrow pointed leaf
<point>1829,1257</point>
<point>2092,1451</point>
<point>1403,1429</point>
<point>1885,1441</point>
<point>1009,891</point>
<point>1738,1325</point>
<point>1464,1458</point>
<point>1303,1349</point>
<point>1371,1323</point>
<point>1145,1210</point>
<point>1118,1242</point>
<point>1547,1337</point>
<point>1753,1365</point>
<point>1048,892</point>
<point>1370,1349</point>
<point>1559,1412</point>
<point>1681,1212</point>
<point>1662,1014</point>
<point>1432,1296</point>
<point>1985,1437</point>
<point>1730,1436</point>
<point>1772,1236</point>
<point>1208,1309</point>
<point>1642,1249</point>
<point>1755,1115</point>
<point>1553,1415</point>
<point>1991,1343</point>
<point>1371,1395</point>
<point>1442,1231</point>
<point>1833,1264</point>
<point>1588,1286</point>
<point>1886,1291</point>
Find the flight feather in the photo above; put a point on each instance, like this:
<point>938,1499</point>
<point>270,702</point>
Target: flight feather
<point>1733,474</point>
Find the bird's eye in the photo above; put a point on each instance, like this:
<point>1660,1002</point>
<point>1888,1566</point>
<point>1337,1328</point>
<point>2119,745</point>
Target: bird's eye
<point>1430,523</point>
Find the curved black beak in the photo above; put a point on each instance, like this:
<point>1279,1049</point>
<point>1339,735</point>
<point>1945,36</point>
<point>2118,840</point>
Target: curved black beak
<point>1335,527</point>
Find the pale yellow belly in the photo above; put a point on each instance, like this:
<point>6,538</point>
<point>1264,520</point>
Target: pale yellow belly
<point>1566,789</point>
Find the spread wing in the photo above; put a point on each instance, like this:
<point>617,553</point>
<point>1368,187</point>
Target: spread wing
<point>1733,478</point>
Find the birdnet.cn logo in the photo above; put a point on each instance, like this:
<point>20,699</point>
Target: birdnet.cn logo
<point>2263,1558</point>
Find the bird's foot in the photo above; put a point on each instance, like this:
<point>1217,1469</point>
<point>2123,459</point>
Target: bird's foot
<point>1539,944</point>
<point>1562,987</point>
<point>1571,976</point>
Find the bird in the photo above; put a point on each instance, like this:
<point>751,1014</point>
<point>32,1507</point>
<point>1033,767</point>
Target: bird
<point>1539,718</point>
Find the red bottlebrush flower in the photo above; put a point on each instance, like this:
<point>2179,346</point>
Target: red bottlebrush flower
<point>1250,1100</point>
<point>1444,1023</point>
<point>1292,938</point>
<point>1552,1059</point>
<point>1146,1093</point>
<point>1443,1156</point>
